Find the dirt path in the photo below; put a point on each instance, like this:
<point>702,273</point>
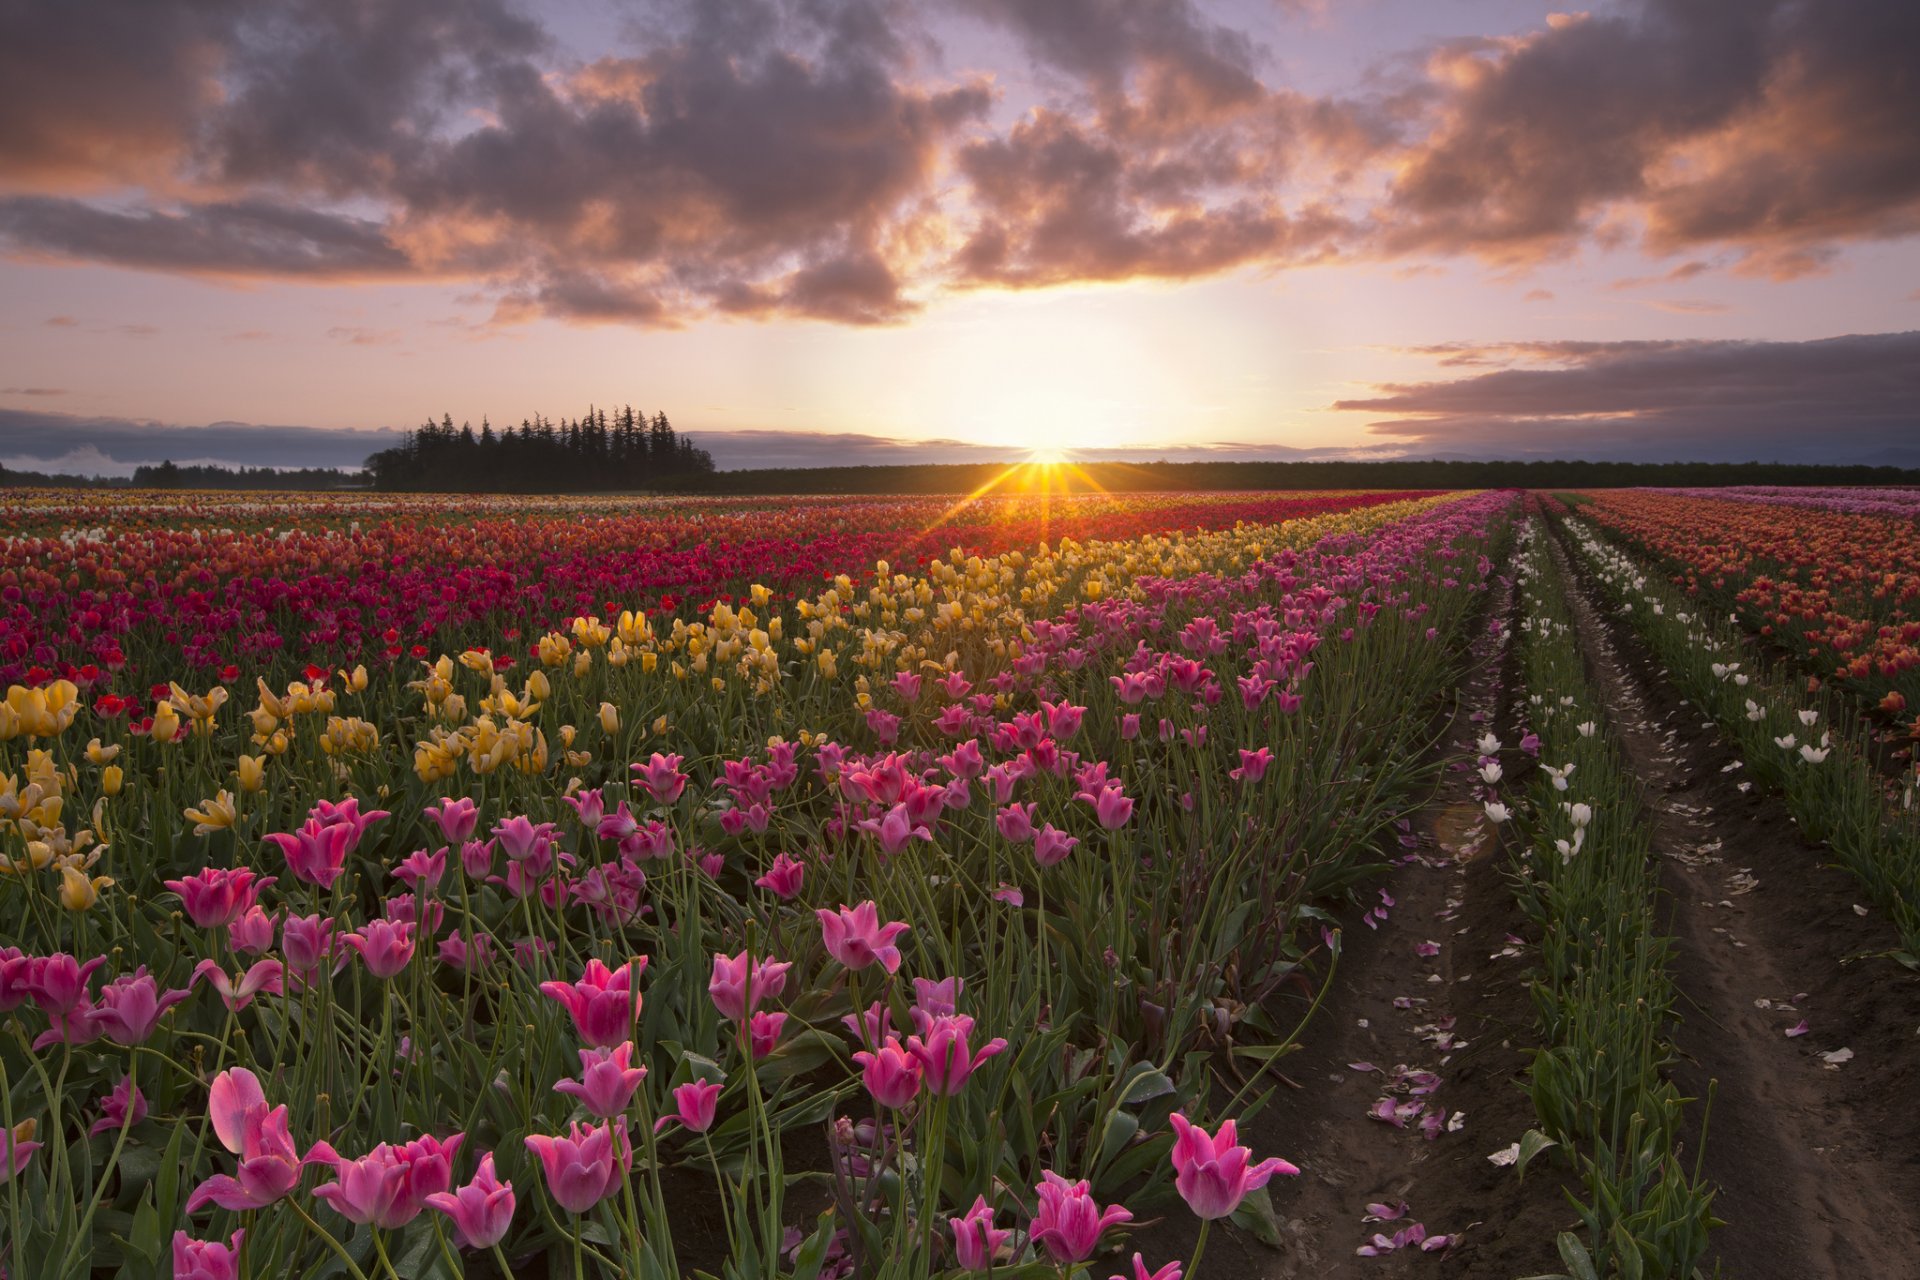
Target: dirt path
<point>1817,1162</point>
<point>1463,1014</point>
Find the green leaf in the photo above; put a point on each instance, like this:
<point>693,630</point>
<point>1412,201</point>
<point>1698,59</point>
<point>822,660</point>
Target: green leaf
<point>1574,1254</point>
<point>1532,1143</point>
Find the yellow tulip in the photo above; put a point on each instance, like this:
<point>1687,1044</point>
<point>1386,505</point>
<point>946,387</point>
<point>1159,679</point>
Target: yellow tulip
<point>217,814</point>
<point>100,754</point>
<point>166,723</point>
<point>110,779</point>
<point>77,892</point>
<point>253,773</point>
<point>609,718</point>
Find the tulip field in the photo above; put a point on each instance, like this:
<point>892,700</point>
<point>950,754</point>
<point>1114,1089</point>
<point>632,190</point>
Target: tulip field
<point>799,889</point>
<point>864,888</point>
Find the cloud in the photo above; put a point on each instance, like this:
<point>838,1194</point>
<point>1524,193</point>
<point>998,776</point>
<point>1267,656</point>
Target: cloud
<point>36,440</point>
<point>1845,399</point>
<point>1691,307</point>
<point>812,159</point>
<point>33,391</point>
<point>359,337</point>
<point>1777,129</point>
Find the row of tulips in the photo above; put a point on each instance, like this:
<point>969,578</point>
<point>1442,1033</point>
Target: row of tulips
<point>1588,885</point>
<point>932,925</point>
<point>229,586</point>
<point>1836,588</point>
<point>1808,744</point>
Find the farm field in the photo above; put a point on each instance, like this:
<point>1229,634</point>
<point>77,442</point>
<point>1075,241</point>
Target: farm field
<point>1038,885</point>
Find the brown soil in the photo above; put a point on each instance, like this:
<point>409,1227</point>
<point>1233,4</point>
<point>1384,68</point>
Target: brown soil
<point>1451,890</point>
<point>1817,1164</point>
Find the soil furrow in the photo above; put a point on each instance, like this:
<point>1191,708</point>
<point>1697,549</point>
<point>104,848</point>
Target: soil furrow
<point>1817,1162</point>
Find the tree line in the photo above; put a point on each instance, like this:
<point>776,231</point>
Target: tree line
<point>597,452</point>
<point>1142,477</point>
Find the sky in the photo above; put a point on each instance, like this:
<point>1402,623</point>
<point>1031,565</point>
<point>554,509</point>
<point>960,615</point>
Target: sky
<point>281,232</point>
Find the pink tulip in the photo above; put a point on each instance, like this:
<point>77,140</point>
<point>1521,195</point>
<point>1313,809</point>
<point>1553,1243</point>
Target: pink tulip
<point>527,844</point>
<point>16,967</point>
<point>315,853</point>
<point>385,945</point>
<point>115,1107</point>
<point>421,868</point>
<point>896,830</point>
<point>694,1105</point>
<point>130,1006</point>
<point>215,898</point>
<point>252,933</point>
<point>856,938</point>
<point>1253,765</point>
<point>58,983</point>
<point>1069,1222</point>
<point>456,952</point>
<point>1129,726</point>
<point>455,818</point>
<point>662,778</point>
<point>1111,806</point>
<point>976,1241</point>
<point>607,1080</point>
<point>265,975</point>
<point>1016,822</point>
<point>738,987</point>
<point>16,1150</point>
<point>269,1165</point>
<point>206,1259</point>
<point>481,1211</point>
<point>1172,1271</point>
<point>891,1073</point>
<point>934,999</point>
<point>388,1187</point>
<point>1052,845</point>
<point>784,878</point>
<point>763,1032</point>
<point>1211,1173</point>
<point>603,1003</point>
<point>306,941</point>
<point>586,1166</point>
<point>589,806</point>
<point>945,1056</point>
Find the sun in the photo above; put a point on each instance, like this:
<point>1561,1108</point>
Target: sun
<point>1049,458</point>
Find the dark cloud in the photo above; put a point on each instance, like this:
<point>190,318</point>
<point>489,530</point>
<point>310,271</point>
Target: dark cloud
<point>807,158</point>
<point>1847,399</point>
<point>249,238</point>
<point>35,440</point>
<point>1779,129</point>
<point>97,93</point>
<point>357,336</point>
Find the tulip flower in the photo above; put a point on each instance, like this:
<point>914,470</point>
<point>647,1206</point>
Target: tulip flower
<point>891,1073</point>
<point>607,1080</point>
<point>253,932</point>
<point>662,778</point>
<point>306,941</point>
<point>603,1003</point>
<point>316,854</point>
<point>265,975</point>
<point>785,877</point>
<point>115,1108</point>
<point>694,1105</point>
<point>215,898</point>
<point>130,1006</point>
<point>976,1241</point>
<point>269,1165</point>
<point>738,986</point>
<point>421,868</point>
<point>1253,765</point>
<point>1212,1174</point>
<point>1111,806</point>
<point>856,938</point>
<point>481,1211</point>
<point>1069,1222</point>
<point>388,1187</point>
<point>1052,845</point>
<point>455,818</point>
<point>206,1259</point>
<point>586,1166</point>
<point>1171,1271</point>
<point>16,1148</point>
<point>385,945</point>
<point>763,1032</point>
<point>1015,822</point>
<point>944,1054</point>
